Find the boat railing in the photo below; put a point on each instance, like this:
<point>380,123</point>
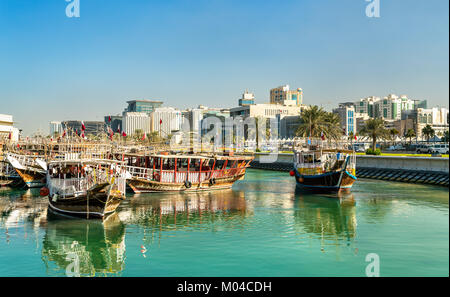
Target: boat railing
<point>172,176</point>
<point>71,186</point>
<point>28,161</point>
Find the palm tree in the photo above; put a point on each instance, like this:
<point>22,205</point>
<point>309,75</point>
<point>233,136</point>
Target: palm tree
<point>259,121</point>
<point>428,132</point>
<point>315,120</point>
<point>333,128</point>
<point>393,132</point>
<point>410,134</point>
<point>312,122</point>
<point>374,128</point>
<point>446,136</point>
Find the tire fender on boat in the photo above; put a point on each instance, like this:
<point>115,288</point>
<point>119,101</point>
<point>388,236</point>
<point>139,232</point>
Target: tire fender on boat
<point>212,181</point>
<point>187,184</point>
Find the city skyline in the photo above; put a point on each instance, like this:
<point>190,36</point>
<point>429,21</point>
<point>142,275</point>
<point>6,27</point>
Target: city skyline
<point>88,67</point>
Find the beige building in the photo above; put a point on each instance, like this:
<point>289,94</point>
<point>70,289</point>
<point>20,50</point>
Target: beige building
<point>266,110</point>
<point>7,128</point>
<point>284,96</point>
<point>436,117</point>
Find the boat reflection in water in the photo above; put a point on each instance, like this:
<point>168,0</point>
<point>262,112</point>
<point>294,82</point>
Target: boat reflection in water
<point>324,217</point>
<point>21,207</point>
<point>178,210</point>
<point>76,247</point>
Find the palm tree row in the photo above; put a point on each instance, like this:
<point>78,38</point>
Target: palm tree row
<point>315,121</point>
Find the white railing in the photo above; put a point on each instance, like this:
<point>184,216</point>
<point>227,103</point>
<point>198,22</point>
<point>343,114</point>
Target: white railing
<point>73,186</point>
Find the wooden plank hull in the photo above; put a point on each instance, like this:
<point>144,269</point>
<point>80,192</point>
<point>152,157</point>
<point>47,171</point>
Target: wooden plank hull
<point>99,204</point>
<point>328,182</point>
<point>32,179</point>
<point>148,186</point>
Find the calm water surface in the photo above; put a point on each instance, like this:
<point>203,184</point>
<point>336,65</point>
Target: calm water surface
<point>262,227</point>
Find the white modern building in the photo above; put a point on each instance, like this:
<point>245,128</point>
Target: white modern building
<point>347,115</point>
<point>391,107</point>
<point>166,120</point>
<point>194,117</point>
<point>56,128</point>
<point>7,128</point>
<point>133,121</point>
<point>247,99</point>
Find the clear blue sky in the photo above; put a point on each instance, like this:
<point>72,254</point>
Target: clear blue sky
<point>192,52</point>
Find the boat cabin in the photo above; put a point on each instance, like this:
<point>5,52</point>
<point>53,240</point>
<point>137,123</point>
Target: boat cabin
<point>179,168</point>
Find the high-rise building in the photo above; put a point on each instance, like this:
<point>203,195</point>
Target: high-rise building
<point>134,121</point>
<point>56,128</point>
<point>91,127</point>
<point>420,104</point>
<point>284,96</point>
<point>146,106</point>
<point>194,117</point>
<point>366,105</point>
<point>391,107</point>
<point>166,120</point>
<point>247,99</point>
<point>348,118</point>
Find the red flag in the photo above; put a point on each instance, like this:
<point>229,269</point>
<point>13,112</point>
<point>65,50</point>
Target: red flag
<point>9,137</point>
<point>322,135</point>
<point>160,121</point>
<point>124,134</point>
<point>82,126</point>
<point>64,133</point>
<point>356,137</point>
<point>118,129</point>
<point>109,119</point>
<point>82,135</point>
<point>143,137</point>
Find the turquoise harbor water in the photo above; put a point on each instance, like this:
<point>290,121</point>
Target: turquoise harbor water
<point>261,227</point>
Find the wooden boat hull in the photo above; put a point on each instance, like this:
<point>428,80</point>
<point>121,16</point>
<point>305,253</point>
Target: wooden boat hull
<point>32,179</point>
<point>148,186</point>
<point>327,182</point>
<point>99,204</point>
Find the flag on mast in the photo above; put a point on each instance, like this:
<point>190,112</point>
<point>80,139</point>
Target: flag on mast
<point>322,135</point>
<point>83,127</point>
